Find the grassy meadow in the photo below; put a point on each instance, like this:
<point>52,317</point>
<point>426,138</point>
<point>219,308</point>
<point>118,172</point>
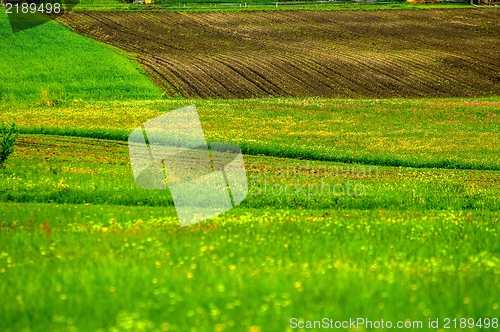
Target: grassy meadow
<point>249,270</point>
<point>50,64</point>
<point>79,239</point>
<point>377,209</point>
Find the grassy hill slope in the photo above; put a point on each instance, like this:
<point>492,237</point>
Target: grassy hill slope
<point>52,63</point>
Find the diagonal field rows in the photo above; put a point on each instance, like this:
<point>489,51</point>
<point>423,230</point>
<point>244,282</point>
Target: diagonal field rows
<point>425,53</point>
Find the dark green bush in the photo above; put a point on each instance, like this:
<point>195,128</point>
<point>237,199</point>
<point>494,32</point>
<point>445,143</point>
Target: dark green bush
<point>9,136</point>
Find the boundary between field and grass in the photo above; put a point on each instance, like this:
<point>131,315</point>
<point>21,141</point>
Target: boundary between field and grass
<point>304,5</point>
<point>264,148</point>
<point>245,5</point>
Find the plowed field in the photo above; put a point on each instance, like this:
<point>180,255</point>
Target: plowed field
<point>431,53</point>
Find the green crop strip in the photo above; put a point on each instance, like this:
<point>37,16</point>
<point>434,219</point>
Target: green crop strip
<point>443,133</point>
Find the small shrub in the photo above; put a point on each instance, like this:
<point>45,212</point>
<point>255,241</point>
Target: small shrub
<point>9,136</point>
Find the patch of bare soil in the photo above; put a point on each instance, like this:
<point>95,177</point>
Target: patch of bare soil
<point>374,54</point>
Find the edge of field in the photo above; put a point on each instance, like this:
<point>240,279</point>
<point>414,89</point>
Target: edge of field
<point>218,6</point>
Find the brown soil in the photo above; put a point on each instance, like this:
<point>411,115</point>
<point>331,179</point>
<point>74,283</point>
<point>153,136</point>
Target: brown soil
<point>414,53</point>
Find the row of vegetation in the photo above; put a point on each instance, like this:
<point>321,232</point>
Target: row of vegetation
<point>79,171</point>
<point>444,133</point>
<point>242,5</point>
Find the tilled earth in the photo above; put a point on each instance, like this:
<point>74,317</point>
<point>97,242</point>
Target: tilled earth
<point>413,53</point>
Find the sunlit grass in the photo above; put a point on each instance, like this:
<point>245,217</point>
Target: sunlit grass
<point>418,244</point>
<point>83,248</point>
<point>242,5</point>
<point>50,64</point>
<point>79,239</point>
<point>246,268</point>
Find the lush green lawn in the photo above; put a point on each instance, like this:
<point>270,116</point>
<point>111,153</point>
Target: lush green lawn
<point>72,266</point>
<point>51,64</point>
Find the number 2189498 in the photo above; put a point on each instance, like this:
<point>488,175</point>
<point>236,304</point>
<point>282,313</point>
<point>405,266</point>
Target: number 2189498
<point>32,8</point>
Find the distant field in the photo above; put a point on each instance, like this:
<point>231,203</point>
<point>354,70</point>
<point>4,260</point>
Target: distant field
<point>245,5</point>
<point>67,66</point>
<point>374,54</point>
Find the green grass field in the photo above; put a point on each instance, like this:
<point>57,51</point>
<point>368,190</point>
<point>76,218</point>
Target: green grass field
<point>80,239</point>
<point>242,5</point>
<point>374,209</point>
<point>50,57</point>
